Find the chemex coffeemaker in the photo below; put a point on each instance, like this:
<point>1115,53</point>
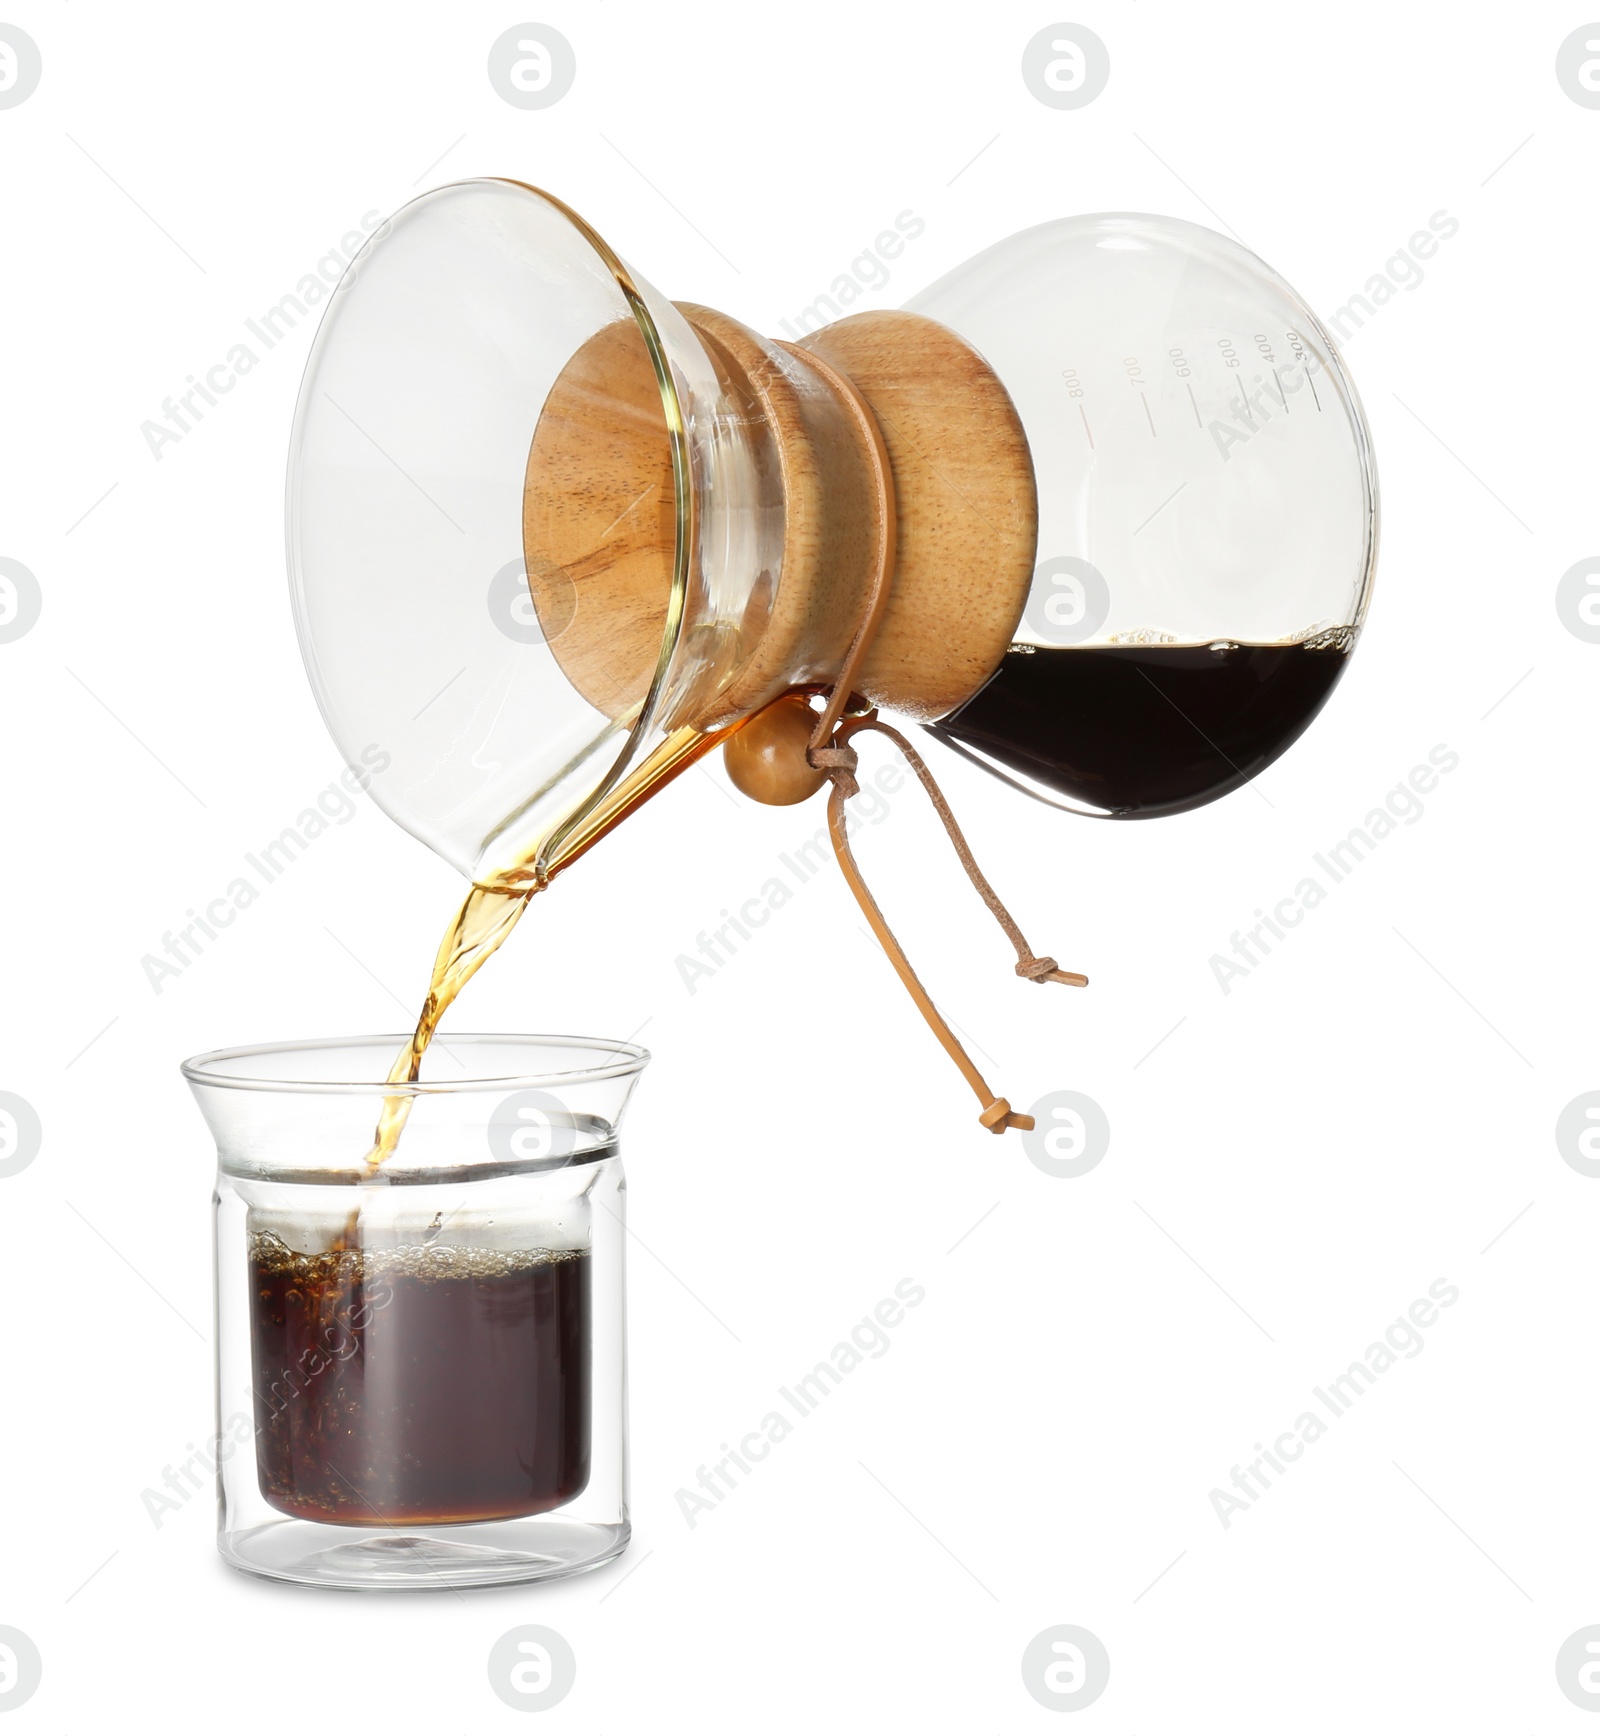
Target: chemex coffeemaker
<point>1097,511</point>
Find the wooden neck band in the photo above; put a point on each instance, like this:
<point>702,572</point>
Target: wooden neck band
<point>877,396</point>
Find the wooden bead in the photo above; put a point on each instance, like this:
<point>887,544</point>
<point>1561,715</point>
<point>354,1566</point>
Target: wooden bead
<point>766,760</point>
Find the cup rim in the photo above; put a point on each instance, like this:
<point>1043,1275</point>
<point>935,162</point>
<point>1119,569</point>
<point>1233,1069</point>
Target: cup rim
<point>211,1068</point>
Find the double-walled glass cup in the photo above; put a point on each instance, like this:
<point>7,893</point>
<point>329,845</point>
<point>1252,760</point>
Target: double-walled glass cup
<point>421,1369</point>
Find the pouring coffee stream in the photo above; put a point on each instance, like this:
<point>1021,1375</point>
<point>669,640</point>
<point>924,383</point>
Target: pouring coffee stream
<point>487,915</point>
<point>1097,510</point>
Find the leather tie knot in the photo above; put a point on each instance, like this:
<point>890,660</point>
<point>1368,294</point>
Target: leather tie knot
<point>1000,1115</point>
<point>840,764</point>
<point>1046,970</point>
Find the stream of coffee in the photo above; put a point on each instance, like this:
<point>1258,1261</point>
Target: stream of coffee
<point>487,915</point>
<point>493,908</point>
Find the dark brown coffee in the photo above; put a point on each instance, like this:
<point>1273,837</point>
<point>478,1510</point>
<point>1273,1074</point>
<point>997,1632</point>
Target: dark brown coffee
<point>420,1385</point>
<point>1136,731</point>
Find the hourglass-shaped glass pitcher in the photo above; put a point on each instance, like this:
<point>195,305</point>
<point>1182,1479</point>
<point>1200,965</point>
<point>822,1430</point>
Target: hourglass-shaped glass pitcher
<point>553,536</point>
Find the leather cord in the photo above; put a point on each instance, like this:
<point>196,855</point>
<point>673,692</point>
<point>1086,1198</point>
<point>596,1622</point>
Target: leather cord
<point>830,751</point>
<point>886,528</point>
<point>839,761</point>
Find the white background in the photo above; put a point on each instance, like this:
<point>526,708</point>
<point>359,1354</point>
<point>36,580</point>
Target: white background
<point>1293,1164</point>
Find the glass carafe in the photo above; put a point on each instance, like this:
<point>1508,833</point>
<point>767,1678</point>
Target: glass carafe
<point>552,535</point>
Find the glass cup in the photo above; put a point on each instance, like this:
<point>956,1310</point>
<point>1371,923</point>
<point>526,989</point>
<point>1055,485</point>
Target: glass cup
<point>421,1368</point>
